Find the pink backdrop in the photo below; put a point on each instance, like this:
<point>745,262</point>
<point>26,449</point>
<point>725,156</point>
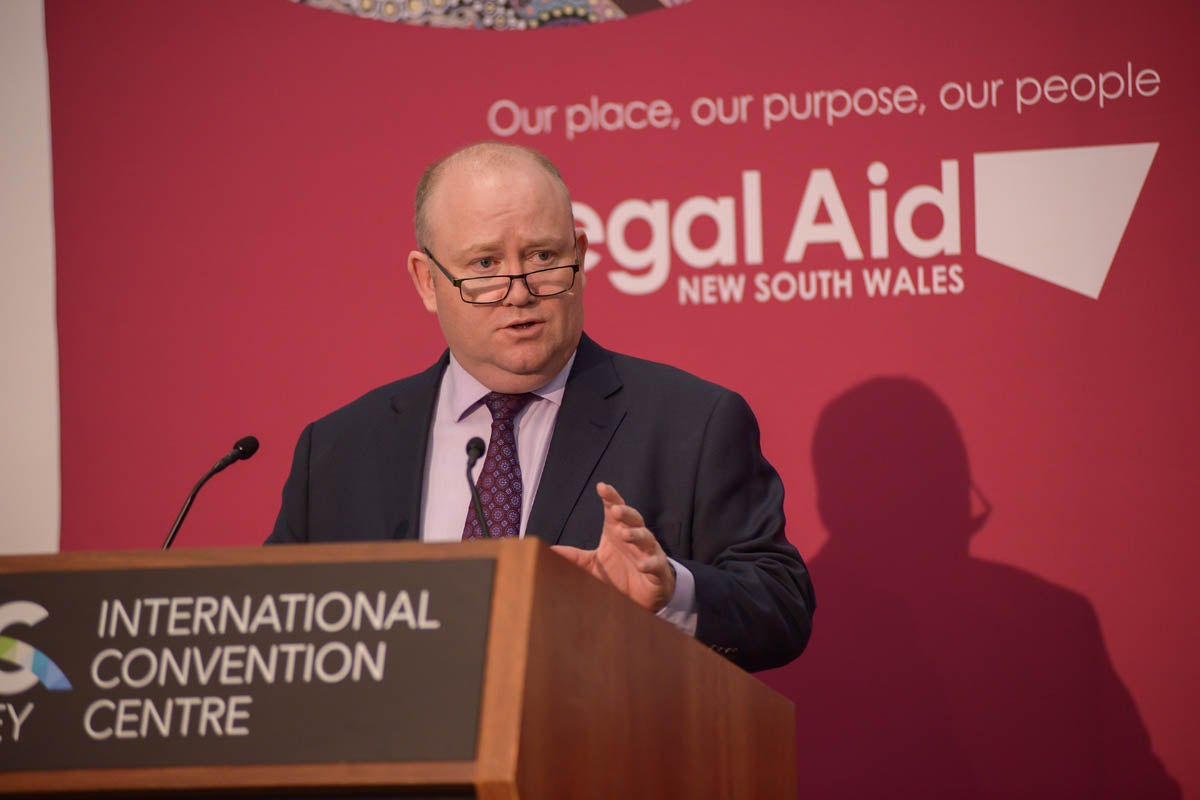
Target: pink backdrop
<point>233,200</point>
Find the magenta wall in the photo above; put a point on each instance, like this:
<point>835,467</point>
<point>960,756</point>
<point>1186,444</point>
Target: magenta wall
<point>232,203</point>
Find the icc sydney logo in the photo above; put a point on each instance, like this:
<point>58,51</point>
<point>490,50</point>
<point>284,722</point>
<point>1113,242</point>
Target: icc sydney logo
<point>32,665</point>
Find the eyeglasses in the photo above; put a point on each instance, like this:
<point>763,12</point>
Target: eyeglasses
<point>489,289</point>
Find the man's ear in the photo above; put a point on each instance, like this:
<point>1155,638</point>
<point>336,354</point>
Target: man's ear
<point>421,271</point>
<point>581,244</point>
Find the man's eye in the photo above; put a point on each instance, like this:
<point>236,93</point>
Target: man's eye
<point>486,262</point>
<point>544,256</point>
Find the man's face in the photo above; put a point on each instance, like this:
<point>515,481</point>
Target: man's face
<point>502,218</point>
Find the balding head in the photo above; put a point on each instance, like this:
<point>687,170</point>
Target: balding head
<point>493,211</point>
<point>478,156</point>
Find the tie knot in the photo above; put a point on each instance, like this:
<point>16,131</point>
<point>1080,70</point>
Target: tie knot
<point>506,406</point>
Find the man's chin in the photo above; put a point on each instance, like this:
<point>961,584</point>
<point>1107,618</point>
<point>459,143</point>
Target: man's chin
<point>529,370</point>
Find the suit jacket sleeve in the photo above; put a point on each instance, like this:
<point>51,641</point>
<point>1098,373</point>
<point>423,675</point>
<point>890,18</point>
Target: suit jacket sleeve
<point>754,597</point>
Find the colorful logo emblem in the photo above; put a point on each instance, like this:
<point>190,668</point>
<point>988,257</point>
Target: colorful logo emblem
<point>33,666</point>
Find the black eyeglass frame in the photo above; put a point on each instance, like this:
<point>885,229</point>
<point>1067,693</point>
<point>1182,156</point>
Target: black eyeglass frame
<point>458,282</point>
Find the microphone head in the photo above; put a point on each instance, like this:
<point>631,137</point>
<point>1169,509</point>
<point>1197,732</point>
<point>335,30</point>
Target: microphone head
<point>245,447</point>
<point>475,448</point>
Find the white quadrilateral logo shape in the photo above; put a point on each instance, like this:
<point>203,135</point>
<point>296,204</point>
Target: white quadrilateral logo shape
<point>1058,214</point>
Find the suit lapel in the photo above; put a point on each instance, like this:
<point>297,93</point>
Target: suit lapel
<point>586,422</point>
<point>402,449</point>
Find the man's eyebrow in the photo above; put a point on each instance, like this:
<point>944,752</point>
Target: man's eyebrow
<point>547,243</point>
<point>483,247</point>
<point>540,243</point>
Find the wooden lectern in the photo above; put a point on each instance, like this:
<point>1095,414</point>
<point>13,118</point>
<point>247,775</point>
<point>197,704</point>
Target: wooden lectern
<point>258,672</point>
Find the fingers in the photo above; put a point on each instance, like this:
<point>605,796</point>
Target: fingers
<point>609,494</point>
<point>615,509</point>
<point>626,524</point>
<point>643,540</point>
<point>654,565</point>
<point>623,527</point>
<point>628,556</point>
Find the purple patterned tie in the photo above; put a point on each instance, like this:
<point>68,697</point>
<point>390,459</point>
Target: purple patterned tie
<point>499,483</point>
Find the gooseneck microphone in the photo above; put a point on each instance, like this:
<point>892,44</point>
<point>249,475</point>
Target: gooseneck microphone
<point>475,449</point>
<point>242,449</point>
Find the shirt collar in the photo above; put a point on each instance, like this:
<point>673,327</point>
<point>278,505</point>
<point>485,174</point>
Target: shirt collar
<point>465,392</point>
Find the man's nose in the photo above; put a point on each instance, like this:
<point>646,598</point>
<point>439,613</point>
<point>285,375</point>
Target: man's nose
<point>519,294</point>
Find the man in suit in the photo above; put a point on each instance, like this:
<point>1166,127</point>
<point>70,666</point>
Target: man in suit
<point>695,532</point>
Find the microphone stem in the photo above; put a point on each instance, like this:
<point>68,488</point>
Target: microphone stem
<point>479,515</point>
<point>191,498</point>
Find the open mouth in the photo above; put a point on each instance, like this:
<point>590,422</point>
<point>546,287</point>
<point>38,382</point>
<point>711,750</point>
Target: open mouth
<point>522,326</point>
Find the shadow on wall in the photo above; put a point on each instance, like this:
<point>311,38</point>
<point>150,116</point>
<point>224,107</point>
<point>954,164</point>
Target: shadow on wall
<point>931,673</point>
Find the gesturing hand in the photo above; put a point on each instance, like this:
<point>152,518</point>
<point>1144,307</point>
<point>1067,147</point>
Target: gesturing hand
<point>628,558</point>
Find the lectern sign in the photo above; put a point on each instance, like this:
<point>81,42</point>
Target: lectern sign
<point>263,664</point>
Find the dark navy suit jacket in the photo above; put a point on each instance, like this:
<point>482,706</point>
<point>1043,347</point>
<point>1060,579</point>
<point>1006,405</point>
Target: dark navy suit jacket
<point>682,451</point>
